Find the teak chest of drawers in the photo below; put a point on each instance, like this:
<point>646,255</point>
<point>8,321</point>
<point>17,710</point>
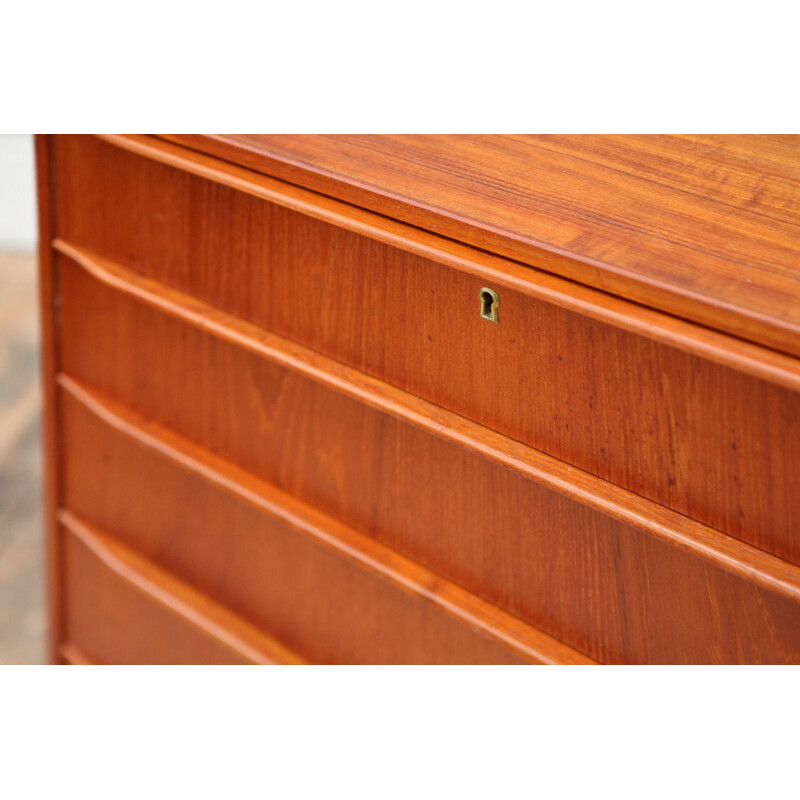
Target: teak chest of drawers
<point>391,399</point>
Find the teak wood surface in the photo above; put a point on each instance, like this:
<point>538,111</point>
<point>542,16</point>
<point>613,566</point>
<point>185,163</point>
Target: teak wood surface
<point>494,532</point>
<point>704,227</point>
<point>278,429</point>
<point>324,589</point>
<point>700,438</point>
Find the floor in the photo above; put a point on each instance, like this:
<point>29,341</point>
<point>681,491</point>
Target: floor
<point>22,614</point>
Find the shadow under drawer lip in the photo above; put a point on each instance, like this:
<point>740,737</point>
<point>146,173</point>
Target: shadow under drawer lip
<point>200,618</point>
<point>707,543</point>
<point>695,420</point>
<point>294,410</point>
<point>521,641</point>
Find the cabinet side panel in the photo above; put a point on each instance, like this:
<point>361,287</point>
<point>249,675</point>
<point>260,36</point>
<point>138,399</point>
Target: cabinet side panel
<point>48,294</point>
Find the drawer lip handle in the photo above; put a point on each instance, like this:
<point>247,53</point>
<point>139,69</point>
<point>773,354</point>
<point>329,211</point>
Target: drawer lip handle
<point>177,597</point>
<point>702,339</point>
<point>72,654</point>
<point>714,547</point>
<point>518,636</point>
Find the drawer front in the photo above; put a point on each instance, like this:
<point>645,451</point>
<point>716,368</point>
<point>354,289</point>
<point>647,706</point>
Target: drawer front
<point>598,585</point>
<point>114,622</point>
<point>313,598</point>
<point>694,436</point>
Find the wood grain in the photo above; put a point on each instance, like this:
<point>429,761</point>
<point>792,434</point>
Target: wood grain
<point>640,414</point>
<point>687,336</point>
<point>708,230</point>
<point>316,584</point>
<point>644,417</point>
<point>120,608</point>
<point>684,533</point>
<point>278,407</point>
<point>581,576</point>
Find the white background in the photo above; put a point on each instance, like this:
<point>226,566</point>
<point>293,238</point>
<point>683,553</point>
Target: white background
<point>17,193</point>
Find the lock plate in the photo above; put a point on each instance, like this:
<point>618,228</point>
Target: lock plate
<point>489,303</point>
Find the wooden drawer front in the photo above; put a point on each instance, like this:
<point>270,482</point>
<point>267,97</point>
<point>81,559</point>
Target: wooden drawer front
<point>115,622</point>
<point>694,436</point>
<point>308,594</point>
<point>587,579</point>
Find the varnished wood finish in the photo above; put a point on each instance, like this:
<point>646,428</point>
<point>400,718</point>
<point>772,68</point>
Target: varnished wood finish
<point>298,434</point>
<point>692,338</point>
<point>120,608</point>
<point>638,413</point>
<point>721,550</point>
<point>71,654</point>
<point>707,228</point>
<point>278,417</point>
<point>323,588</point>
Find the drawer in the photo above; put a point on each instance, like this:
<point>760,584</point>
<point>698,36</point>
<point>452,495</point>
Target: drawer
<point>287,570</point>
<point>695,436</point>
<point>580,575</point>
<point>119,609</point>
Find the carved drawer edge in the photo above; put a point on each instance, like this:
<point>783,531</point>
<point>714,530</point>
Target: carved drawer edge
<point>732,555</point>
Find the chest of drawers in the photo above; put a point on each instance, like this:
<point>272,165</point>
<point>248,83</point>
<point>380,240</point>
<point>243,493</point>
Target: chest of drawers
<point>422,399</point>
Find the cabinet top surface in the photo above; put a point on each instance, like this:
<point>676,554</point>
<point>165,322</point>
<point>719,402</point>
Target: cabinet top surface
<point>705,227</point>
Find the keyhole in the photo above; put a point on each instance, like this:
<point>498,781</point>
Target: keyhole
<point>489,303</point>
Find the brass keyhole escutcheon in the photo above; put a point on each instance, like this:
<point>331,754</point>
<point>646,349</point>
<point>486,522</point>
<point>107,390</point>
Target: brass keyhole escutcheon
<point>489,303</point>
